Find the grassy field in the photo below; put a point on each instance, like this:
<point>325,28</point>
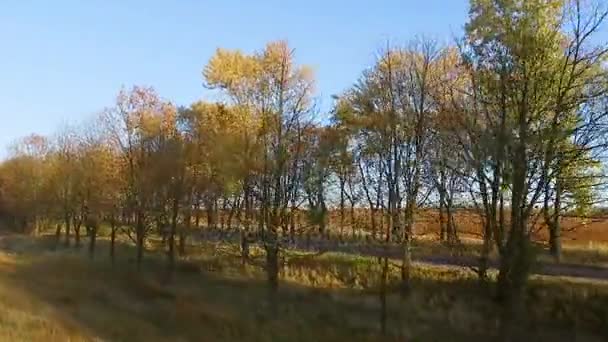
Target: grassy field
<point>61,295</point>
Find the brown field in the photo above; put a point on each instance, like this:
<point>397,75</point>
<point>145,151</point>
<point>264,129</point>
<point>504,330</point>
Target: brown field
<point>576,230</point>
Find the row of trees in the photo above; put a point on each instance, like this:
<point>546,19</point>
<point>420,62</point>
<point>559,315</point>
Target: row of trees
<point>509,121</point>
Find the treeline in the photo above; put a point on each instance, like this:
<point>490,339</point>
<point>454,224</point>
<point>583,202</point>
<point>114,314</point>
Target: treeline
<point>510,121</point>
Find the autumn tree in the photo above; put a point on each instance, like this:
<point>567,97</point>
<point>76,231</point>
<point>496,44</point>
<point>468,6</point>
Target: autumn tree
<point>530,76</point>
<point>390,110</point>
<point>23,183</point>
<point>136,125</point>
<point>316,171</point>
<point>277,93</point>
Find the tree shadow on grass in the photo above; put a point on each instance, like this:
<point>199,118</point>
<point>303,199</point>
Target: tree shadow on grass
<point>212,297</point>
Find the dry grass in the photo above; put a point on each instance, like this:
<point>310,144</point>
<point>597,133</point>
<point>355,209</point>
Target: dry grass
<point>591,253</point>
<point>24,317</point>
<point>62,296</point>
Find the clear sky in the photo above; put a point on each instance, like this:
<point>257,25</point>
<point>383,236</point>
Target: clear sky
<point>62,61</point>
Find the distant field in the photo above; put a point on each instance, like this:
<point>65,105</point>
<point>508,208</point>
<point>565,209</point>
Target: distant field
<point>575,230</point>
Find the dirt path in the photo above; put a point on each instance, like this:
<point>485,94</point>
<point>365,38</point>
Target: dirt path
<point>540,268</point>
<point>394,251</point>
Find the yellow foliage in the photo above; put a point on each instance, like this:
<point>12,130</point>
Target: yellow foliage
<point>258,80</point>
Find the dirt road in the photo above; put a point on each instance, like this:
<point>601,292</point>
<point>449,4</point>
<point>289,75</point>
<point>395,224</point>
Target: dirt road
<point>394,251</point>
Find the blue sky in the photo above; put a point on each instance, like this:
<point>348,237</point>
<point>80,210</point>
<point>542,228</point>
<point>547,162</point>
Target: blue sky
<point>62,61</point>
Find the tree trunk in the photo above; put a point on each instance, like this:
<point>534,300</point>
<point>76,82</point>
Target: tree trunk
<point>183,233</point>
<point>451,225</point>
<point>485,251</point>
<point>233,210</point>
<point>372,216</point>
<point>515,259</point>
<point>57,235</point>
<point>67,230</point>
<point>93,237</point>
<point>77,224</point>
<point>406,261</point>
<point>322,223</point>
<point>512,278</point>
<point>36,224</point>
<point>352,215</point>
<point>455,237</point>
<point>555,243</point>
<point>246,226</point>
<point>197,214</point>
<point>272,265</point>
<point>161,228</point>
<point>210,223</point>
<point>171,253</point>
<point>112,238</point>
<point>140,251</point>
<point>244,246</point>
<point>215,213</point>
<point>126,218</point>
<point>442,226</point>
<point>342,214</point>
<point>383,294</point>
<point>222,213</point>
<point>139,237</point>
<point>292,223</point>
